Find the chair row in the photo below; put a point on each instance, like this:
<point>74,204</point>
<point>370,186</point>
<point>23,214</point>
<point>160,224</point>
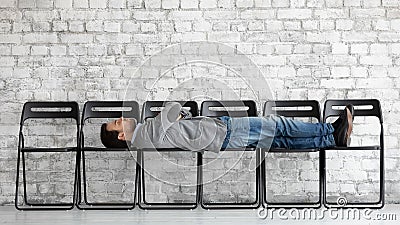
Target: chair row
<point>131,109</point>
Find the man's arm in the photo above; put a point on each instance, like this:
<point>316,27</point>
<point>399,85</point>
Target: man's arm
<point>168,115</point>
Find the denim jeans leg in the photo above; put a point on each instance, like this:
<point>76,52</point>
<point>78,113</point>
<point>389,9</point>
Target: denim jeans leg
<point>286,127</point>
<point>304,143</point>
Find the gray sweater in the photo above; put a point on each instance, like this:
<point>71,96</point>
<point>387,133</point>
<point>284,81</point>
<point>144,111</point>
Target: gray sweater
<point>194,134</point>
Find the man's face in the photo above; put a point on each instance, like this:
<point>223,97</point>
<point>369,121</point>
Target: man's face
<point>122,126</point>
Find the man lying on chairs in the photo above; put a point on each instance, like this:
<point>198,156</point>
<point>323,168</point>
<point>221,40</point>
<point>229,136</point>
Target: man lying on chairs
<point>174,127</point>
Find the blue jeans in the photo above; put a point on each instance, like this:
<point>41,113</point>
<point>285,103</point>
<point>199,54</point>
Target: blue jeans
<point>276,132</point>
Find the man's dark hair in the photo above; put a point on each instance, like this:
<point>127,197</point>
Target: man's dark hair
<point>110,138</point>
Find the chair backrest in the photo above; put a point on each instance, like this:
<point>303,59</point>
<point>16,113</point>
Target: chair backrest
<point>36,110</point>
<point>148,110</point>
<point>239,108</point>
<point>104,109</point>
<point>362,107</point>
<point>293,108</point>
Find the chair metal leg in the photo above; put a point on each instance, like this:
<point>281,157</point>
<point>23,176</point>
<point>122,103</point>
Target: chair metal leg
<point>143,204</point>
<point>86,205</point>
<point>297,205</point>
<point>252,205</point>
<point>35,206</point>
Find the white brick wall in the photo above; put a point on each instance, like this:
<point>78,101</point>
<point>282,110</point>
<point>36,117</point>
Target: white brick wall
<point>82,50</point>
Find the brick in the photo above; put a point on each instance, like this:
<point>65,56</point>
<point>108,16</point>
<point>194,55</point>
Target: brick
<point>184,15</point>
<point>76,26</point>
<point>331,13</point>
<point>382,25</point>
<point>111,27</point>
<point>201,26</point>
<point>263,3</point>
<point>114,15</point>
<point>334,3</point>
<point>20,50</point>
<point>359,71</point>
<point>76,38</point>
<point>328,36</point>
<point>340,48</point>
<point>58,50</point>
<point>343,24</point>
<point>224,36</point>
<point>292,25</point>
<point>208,4</point>
<point>337,72</point>
<point>98,3</point>
<point>5,27</point>
<point>390,3</point>
<point>78,15</point>
<point>389,37</point>
<point>130,26</point>
<point>170,4</point>
<point>371,3</point>
<point>340,60</point>
<point>280,4</point>
<point>257,14</point>
<point>367,13</point>
<point>244,3</point>
<point>189,4</point>
<point>374,83</point>
<point>94,26</point>
<point>149,15</point>
<point>81,4</point>
<point>378,49</point>
<point>10,39</point>
<point>188,36</point>
<point>39,50</point>
<point>136,4</point>
<point>294,13</point>
<point>375,60</point>
<point>44,3</point>
<point>359,36</point>
<point>60,26</point>
<point>269,60</point>
<point>334,83</point>
<point>216,15</point>
<point>151,4</point>
<point>359,48</point>
<point>7,3</point>
<point>63,4</point>
<point>43,38</point>
<point>117,4</point>
<point>41,15</point>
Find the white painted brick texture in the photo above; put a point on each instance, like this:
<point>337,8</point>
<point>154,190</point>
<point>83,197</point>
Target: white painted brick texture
<point>80,50</point>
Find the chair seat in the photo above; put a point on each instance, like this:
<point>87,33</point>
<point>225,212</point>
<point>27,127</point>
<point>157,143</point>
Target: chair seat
<point>68,149</point>
<point>249,149</point>
<point>285,150</point>
<point>88,149</point>
<point>374,147</point>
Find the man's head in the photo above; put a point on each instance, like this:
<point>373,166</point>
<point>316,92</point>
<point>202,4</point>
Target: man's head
<point>116,133</point>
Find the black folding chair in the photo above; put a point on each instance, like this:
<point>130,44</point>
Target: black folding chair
<point>99,110</point>
<point>363,107</point>
<point>294,109</point>
<point>222,108</point>
<point>44,110</point>
<point>150,110</point>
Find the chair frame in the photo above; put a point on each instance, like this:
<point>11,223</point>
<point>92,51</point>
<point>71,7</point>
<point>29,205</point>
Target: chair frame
<point>375,111</point>
<point>89,113</point>
<point>142,203</point>
<point>27,113</point>
<point>314,112</point>
<point>251,112</point>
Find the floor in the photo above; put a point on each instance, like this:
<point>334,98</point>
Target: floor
<point>390,214</point>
